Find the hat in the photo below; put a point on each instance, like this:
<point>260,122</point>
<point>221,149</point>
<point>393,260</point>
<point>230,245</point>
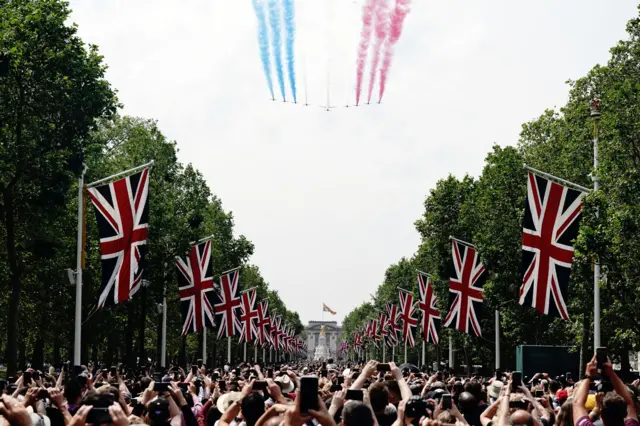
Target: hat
<point>590,403</point>
<point>562,395</point>
<point>285,383</point>
<point>495,388</point>
<point>225,400</point>
<point>437,385</point>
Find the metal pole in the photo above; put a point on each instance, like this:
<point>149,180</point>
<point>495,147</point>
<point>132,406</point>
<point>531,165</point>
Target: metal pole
<point>393,353</point>
<point>264,355</point>
<point>163,353</point>
<point>405,352</point>
<point>77,339</point>
<point>451,357</point>
<point>596,186</point>
<point>497,340</point>
<point>384,352</point>
<point>204,346</point>
<point>229,351</point>
<point>244,358</point>
<point>270,355</point>
<point>424,353</point>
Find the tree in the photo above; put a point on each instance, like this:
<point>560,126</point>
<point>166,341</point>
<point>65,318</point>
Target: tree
<point>53,92</point>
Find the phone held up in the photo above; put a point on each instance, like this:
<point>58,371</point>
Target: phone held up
<point>446,401</point>
<point>308,393</point>
<point>383,367</point>
<point>354,395</point>
<point>516,380</point>
<point>601,357</point>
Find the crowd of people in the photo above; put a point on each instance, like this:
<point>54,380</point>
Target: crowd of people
<point>313,393</point>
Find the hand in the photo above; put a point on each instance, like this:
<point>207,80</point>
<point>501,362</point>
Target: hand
<point>192,389</point>
<point>525,391</point>
<point>401,406</point>
<point>14,412</point>
<point>257,368</point>
<point>507,392</point>
<point>607,368</point>
<point>599,397</point>
<point>322,414</point>
<point>395,371</point>
<point>274,390</point>
<point>148,394</point>
<point>293,417</point>
<point>370,368</point>
<point>592,367</point>
<point>247,389</point>
<point>56,397</point>
<point>30,397</point>
<point>338,398</point>
<point>80,418</point>
<point>118,418</point>
<point>176,394</point>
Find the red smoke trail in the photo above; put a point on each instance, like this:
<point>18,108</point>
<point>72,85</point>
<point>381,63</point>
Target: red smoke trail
<point>363,46</point>
<point>382,29</point>
<point>397,19</point>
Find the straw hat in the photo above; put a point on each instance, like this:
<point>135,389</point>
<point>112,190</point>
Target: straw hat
<point>225,400</point>
<point>285,383</point>
<point>494,389</point>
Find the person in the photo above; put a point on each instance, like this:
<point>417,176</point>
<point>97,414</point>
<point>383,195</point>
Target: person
<point>617,407</point>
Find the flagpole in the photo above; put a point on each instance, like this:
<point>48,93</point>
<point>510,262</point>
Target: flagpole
<point>424,353</point>
<point>244,357</point>
<point>264,355</point>
<point>135,169</point>
<point>255,354</point>
<point>595,113</point>
<point>229,350</point>
<point>163,348</point>
<point>204,346</point>
<point>384,347</point>
<point>77,339</point>
<point>497,340</point>
<point>393,353</point>
<point>405,351</point>
<point>451,358</point>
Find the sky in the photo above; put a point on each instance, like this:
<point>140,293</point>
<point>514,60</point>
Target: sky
<point>329,198</point>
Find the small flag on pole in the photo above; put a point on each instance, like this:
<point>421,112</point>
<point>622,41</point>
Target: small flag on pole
<point>325,308</point>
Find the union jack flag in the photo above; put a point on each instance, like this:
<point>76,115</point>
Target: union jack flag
<point>551,221</point>
<point>248,315</point>
<point>409,322</point>
<point>383,327</point>
<point>122,213</point>
<point>195,285</point>
<point>430,313</point>
<point>392,324</point>
<point>465,288</point>
<point>229,305</point>
<point>276,331</point>
<point>263,322</point>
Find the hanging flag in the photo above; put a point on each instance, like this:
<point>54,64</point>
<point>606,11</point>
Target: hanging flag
<point>229,305</point>
<point>276,332</point>
<point>325,308</point>
<point>409,322</point>
<point>375,332</point>
<point>195,285</point>
<point>550,225</point>
<point>248,315</point>
<point>122,212</point>
<point>392,324</point>
<point>263,322</point>
<point>467,276</point>
<point>430,313</point>
<point>383,327</point>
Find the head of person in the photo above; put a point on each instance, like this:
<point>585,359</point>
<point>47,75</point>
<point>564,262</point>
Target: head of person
<point>554,386</point>
<point>565,415</point>
<point>521,418</point>
<point>73,392</point>
<point>158,412</point>
<point>474,388</point>
<point>614,409</point>
<point>467,402</point>
<point>252,408</point>
<point>394,392</point>
<point>379,397</point>
<point>356,413</point>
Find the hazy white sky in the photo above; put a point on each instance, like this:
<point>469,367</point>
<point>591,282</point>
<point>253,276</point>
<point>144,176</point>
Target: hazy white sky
<point>329,198</point>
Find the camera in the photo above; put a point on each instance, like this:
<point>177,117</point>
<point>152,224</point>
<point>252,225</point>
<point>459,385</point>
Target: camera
<point>415,407</point>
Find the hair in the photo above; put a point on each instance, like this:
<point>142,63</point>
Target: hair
<point>614,409</point>
<point>554,386</point>
<point>475,389</point>
<point>467,402</point>
<point>252,408</point>
<point>516,419</point>
<point>379,397</point>
<point>565,416</point>
<point>394,391</point>
<point>72,391</point>
<point>356,413</point>
<point>446,417</point>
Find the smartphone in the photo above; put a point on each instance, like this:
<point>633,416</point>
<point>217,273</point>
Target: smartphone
<point>194,370</point>
<point>77,370</point>
<point>161,387</point>
<point>259,385</point>
<point>498,373</point>
<point>43,394</point>
<point>222,385</point>
<point>516,379</point>
<point>539,393</point>
<point>199,362</point>
<point>26,378</point>
<point>568,376</point>
<point>36,375</point>
<point>324,373</point>
<point>335,387</point>
<point>308,393</point>
<point>3,385</point>
<point>340,380</point>
<point>446,401</point>
<point>269,373</point>
<point>601,356</point>
<point>384,367</point>
<point>99,416</point>
<point>354,395</point>
<point>184,387</point>
<point>113,371</point>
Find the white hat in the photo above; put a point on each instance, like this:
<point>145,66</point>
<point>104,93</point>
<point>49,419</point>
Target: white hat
<point>286,383</point>
<point>225,400</point>
<point>494,389</point>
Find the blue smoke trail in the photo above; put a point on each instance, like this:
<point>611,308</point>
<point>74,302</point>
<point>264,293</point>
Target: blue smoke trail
<point>275,14</point>
<point>263,40</point>
<point>290,30</point>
